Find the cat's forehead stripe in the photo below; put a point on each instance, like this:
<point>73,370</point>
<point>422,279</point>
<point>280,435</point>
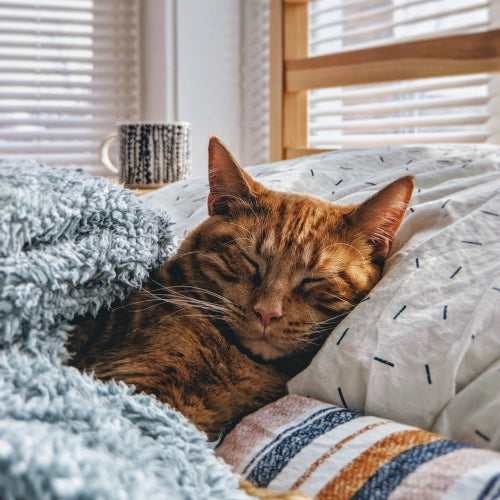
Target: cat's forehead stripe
<point>299,223</point>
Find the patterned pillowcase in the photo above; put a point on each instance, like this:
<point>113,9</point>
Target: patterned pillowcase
<point>330,452</point>
<point>423,347</point>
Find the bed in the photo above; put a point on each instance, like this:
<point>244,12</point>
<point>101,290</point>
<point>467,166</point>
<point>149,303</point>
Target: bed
<point>402,401</point>
<point>423,353</point>
<point>401,358</point>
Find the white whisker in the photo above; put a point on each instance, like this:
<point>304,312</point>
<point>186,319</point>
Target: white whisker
<point>339,298</point>
<point>347,245</point>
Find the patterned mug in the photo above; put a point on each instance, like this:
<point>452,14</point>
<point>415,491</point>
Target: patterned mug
<point>151,154</point>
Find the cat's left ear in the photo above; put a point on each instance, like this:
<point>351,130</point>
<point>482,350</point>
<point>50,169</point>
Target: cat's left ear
<point>380,216</point>
<point>228,181</point>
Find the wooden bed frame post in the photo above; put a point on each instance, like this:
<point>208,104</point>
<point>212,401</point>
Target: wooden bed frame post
<point>289,22</point>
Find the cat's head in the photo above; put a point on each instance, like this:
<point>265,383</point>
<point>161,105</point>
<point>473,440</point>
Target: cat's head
<point>289,266</point>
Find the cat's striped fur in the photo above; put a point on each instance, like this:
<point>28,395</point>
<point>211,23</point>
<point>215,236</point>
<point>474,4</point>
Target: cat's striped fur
<point>248,298</point>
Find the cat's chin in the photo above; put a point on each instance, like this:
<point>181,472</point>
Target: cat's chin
<point>263,349</point>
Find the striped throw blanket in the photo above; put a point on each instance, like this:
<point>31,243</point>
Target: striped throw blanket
<point>334,453</point>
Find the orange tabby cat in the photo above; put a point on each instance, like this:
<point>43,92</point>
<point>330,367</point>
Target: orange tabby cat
<point>248,298</point>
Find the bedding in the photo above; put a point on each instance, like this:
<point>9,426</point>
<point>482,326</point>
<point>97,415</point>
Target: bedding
<point>70,244</point>
<point>423,349</point>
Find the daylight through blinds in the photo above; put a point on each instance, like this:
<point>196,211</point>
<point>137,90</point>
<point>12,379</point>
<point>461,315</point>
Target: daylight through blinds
<point>68,74</point>
<point>433,110</point>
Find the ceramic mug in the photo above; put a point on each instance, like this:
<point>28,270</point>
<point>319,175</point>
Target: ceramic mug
<point>151,154</point>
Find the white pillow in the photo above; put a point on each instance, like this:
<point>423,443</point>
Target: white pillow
<point>424,349</point>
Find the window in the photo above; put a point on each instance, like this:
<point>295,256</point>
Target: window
<point>68,73</point>
<point>451,109</point>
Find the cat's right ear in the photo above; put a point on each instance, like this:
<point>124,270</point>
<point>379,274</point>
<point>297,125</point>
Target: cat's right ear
<point>228,181</point>
<point>380,216</point>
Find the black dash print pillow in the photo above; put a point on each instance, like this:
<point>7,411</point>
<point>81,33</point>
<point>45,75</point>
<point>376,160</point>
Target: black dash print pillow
<point>424,349</point>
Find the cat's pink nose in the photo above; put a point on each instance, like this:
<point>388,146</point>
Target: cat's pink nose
<point>267,313</point>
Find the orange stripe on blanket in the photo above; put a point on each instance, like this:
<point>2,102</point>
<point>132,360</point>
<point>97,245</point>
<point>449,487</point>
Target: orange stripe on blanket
<point>330,452</point>
<point>353,476</point>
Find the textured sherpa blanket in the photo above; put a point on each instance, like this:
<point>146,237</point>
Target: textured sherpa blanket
<point>71,244</point>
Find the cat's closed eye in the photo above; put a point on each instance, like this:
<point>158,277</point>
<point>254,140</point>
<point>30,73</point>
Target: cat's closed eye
<point>311,282</point>
<point>306,281</point>
<point>256,277</point>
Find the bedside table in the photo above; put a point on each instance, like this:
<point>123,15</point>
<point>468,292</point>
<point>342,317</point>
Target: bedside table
<point>139,190</point>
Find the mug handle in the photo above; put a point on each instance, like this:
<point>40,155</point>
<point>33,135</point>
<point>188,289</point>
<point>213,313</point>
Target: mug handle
<point>105,159</point>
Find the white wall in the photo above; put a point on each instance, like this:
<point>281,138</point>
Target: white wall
<point>208,74</point>
<point>206,62</point>
<point>158,60</point>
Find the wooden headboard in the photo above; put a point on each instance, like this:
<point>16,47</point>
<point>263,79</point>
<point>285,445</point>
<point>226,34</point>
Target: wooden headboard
<point>293,73</point>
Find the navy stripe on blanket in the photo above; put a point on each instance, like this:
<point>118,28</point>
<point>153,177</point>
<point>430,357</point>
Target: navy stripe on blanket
<point>272,463</point>
<point>389,476</point>
<point>287,430</point>
<point>492,489</point>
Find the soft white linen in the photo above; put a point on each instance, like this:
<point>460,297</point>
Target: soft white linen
<point>425,348</point>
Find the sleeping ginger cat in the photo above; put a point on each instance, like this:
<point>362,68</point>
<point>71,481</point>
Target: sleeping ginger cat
<point>247,300</point>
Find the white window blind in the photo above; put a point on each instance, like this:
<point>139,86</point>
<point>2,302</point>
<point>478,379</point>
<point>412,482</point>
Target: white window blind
<point>255,81</point>
<point>450,109</point>
<point>68,73</point>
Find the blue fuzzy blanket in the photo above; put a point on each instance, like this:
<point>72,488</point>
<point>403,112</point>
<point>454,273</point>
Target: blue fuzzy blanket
<point>71,244</point>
